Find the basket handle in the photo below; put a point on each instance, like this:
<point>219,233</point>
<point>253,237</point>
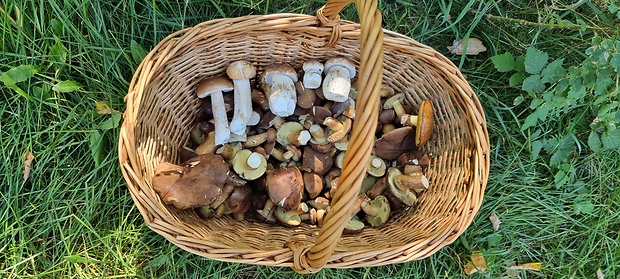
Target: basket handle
<point>312,259</point>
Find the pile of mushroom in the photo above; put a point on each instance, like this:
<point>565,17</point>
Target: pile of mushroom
<point>270,144</point>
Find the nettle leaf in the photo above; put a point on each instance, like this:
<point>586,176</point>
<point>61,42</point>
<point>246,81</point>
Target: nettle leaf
<point>539,114</point>
<point>66,86</point>
<point>577,92</point>
<point>504,62</point>
<point>533,84</point>
<point>554,71</point>
<point>560,179</point>
<point>516,79</point>
<point>594,142</point>
<point>21,73</point>
<point>535,60</point>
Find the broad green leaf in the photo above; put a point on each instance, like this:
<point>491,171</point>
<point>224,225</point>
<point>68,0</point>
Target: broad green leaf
<point>66,86</point>
<point>594,142</point>
<point>110,123</point>
<point>80,259</point>
<point>58,53</point>
<point>554,71</point>
<point>57,27</point>
<point>558,157</point>
<point>530,121</point>
<point>533,84</point>
<point>21,73</point>
<point>137,52</point>
<point>516,79</point>
<point>520,63</point>
<point>535,60</point>
<point>518,100</point>
<point>611,140</point>
<point>504,62</point>
<point>583,206</point>
<point>576,93</point>
<point>615,61</point>
<point>10,83</point>
<point>560,179</point>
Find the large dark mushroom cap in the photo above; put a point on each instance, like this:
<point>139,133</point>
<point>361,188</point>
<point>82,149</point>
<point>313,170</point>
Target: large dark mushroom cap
<point>396,142</point>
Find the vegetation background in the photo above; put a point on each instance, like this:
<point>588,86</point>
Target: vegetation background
<point>554,184</point>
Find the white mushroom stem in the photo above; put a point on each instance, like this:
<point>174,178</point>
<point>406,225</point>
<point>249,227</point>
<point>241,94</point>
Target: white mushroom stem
<point>312,79</point>
<point>337,84</point>
<point>243,106</point>
<point>254,119</point>
<point>222,130</point>
<point>254,160</point>
<point>283,97</point>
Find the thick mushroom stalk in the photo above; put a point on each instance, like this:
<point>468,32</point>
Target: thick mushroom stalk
<point>282,96</point>
<point>241,72</point>
<point>214,87</point>
<point>337,82</point>
<point>313,69</point>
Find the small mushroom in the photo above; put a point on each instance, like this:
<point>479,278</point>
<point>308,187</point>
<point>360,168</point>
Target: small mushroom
<point>378,188</point>
<point>376,166</point>
<point>266,213</point>
<point>319,203</point>
<point>318,134</point>
<point>423,121</point>
<point>368,182</point>
<point>259,98</point>
<point>208,146</point>
<point>313,184</point>
<point>285,187</point>
<point>313,70</point>
<point>377,211</point>
<point>214,87</point>
<point>200,184</point>
<point>186,153</point>
<point>292,133</point>
<point>314,161</point>
<point>395,102</point>
<point>306,97</point>
<point>197,135</point>
<point>258,139</point>
<point>286,218</point>
<point>241,72</point>
<point>338,129</point>
<point>353,226</point>
<point>387,116</point>
<point>320,113</point>
<point>226,191</point>
<point>249,165</point>
<point>281,78</point>
<point>240,201</point>
<point>394,143</point>
<point>416,182</point>
<point>337,82</point>
<point>407,197</point>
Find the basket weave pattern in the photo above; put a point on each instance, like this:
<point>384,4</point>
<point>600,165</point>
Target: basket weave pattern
<point>162,107</point>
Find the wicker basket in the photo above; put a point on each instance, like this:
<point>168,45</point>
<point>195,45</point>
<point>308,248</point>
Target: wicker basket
<point>161,109</point>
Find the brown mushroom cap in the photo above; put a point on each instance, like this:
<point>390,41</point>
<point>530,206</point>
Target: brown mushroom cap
<point>241,199</point>
<point>213,84</point>
<point>241,69</point>
<point>285,187</point>
<point>201,183</point>
<point>166,174</point>
<point>313,184</point>
<point>315,161</point>
<point>394,143</point>
<point>425,124</point>
<point>280,68</point>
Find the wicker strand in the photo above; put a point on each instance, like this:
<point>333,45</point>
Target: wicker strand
<point>370,78</point>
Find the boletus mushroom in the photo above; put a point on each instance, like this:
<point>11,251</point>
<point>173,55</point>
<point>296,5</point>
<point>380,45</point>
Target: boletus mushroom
<point>406,196</point>
<point>249,165</point>
<point>423,121</point>
<point>394,143</point>
<point>285,187</point>
<point>214,87</point>
<point>200,183</point>
<point>377,211</point>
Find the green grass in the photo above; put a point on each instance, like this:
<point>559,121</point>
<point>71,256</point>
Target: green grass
<point>74,217</point>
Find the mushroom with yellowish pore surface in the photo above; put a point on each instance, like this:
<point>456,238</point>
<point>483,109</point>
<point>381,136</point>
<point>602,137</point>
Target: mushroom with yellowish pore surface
<point>423,121</point>
<point>249,165</point>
